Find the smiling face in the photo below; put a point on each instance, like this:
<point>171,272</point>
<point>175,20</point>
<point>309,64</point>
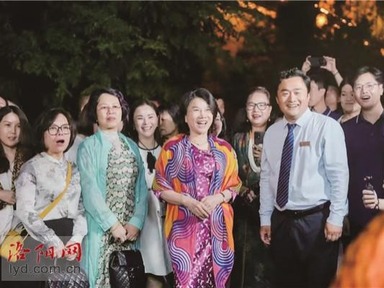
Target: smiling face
<point>109,113</point>
<point>10,130</point>
<point>199,117</point>
<point>57,136</point>
<point>347,100</point>
<point>258,109</point>
<point>145,121</point>
<point>293,98</point>
<point>367,91</point>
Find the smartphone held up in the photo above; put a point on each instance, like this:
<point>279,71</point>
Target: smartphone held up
<point>317,61</point>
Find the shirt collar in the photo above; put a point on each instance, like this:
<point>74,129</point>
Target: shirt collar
<point>61,161</point>
<point>302,120</point>
<point>360,117</point>
<point>327,111</point>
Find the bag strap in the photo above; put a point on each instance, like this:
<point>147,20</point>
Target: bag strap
<point>60,196</point>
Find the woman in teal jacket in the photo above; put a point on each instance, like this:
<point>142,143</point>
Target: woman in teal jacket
<point>113,186</point>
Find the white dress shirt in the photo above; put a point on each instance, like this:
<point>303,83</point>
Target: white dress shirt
<point>41,180</point>
<point>319,171</point>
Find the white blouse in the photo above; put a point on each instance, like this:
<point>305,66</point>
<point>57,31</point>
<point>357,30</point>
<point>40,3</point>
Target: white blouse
<point>41,180</point>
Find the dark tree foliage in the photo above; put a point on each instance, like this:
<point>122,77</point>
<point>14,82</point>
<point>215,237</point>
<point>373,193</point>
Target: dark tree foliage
<point>51,52</point>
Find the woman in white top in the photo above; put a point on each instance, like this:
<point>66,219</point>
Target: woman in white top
<point>154,248</point>
<point>41,180</point>
<point>15,149</point>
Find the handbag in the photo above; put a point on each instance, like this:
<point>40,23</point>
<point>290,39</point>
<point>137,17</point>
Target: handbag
<point>75,279</point>
<point>10,248</point>
<point>126,269</point>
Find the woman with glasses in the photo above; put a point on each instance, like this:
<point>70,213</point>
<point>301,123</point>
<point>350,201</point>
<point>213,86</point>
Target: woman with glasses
<point>154,248</point>
<point>42,179</point>
<point>113,185</point>
<point>251,263</point>
<point>196,174</point>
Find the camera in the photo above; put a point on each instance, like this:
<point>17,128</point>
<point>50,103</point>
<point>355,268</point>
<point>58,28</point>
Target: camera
<point>317,61</point>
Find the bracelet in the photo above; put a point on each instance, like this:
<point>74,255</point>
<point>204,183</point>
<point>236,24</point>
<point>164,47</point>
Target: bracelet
<point>222,194</point>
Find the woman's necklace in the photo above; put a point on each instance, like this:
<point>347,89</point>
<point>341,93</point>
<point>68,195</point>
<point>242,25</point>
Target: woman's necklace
<point>151,159</point>
<point>144,147</point>
<point>202,143</point>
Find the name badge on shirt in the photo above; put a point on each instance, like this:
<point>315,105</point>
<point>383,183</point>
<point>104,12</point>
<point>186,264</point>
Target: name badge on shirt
<point>304,144</point>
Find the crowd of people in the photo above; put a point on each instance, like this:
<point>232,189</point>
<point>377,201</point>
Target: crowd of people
<point>274,203</point>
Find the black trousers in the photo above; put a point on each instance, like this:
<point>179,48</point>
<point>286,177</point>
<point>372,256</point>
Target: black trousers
<point>301,254</point>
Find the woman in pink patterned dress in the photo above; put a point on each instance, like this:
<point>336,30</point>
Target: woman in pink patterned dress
<point>197,175</point>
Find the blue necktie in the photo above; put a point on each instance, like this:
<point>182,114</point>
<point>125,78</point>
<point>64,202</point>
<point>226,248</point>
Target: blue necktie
<point>285,168</point>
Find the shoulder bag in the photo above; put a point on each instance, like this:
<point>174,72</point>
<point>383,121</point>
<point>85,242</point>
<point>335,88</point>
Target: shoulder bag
<point>15,237</point>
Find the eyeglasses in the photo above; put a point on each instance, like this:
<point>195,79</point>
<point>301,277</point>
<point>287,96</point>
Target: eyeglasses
<point>261,106</point>
<point>367,87</point>
<point>54,129</point>
<point>151,160</point>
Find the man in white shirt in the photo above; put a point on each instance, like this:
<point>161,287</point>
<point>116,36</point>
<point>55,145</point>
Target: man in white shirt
<point>305,228</point>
